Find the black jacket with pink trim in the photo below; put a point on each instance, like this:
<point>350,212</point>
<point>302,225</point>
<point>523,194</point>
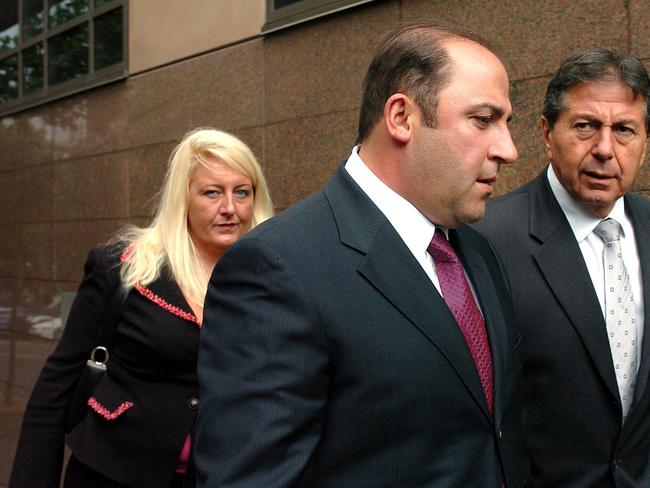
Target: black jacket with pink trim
<point>142,410</point>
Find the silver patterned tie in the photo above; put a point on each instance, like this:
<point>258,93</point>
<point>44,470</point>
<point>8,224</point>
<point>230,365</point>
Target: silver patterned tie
<point>619,311</point>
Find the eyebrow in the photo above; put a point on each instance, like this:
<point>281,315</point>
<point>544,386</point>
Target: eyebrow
<point>595,118</point>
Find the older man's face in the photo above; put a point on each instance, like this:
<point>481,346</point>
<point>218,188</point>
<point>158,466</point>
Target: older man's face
<point>598,143</point>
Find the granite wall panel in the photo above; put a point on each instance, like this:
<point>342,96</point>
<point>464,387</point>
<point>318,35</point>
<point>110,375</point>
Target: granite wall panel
<point>91,188</point>
<point>318,67</point>
<point>223,89</point>
<point>90,123</point>
<point>303,153</point>
<point>26,194</point>
<point>72,240</point>
<point>534,36</point>
<point>639,15</point>
<point>147,166</point>
<point>25,139</point>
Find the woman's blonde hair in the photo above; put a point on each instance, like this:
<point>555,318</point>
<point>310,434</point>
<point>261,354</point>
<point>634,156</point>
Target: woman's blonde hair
<point>167,240</point>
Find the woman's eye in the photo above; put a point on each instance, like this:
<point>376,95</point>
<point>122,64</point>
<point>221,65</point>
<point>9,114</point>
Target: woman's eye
<point>241,194</point>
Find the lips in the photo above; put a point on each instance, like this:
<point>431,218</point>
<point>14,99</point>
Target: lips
<point>228,225</point>
<point>598,175</point>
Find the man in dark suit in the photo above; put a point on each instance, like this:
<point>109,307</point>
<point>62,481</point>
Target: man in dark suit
<point>329,356</point>
<point>586,364</point>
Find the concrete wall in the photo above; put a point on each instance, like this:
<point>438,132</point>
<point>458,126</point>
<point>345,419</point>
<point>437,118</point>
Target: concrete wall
<point>73,171</point>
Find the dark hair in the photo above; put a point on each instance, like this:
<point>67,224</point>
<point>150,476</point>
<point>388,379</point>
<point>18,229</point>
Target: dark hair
<point>410,59</point>
<point>592,65</point>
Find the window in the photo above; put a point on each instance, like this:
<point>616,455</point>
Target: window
<point>285,13</point>
<point>53,48</point>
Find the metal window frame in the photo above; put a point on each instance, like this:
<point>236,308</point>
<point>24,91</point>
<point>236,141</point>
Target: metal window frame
<point>90,80</point>
<point>303,11</point>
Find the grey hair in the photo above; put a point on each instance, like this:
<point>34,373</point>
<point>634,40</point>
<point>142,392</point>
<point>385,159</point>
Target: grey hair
<point>593,65</point>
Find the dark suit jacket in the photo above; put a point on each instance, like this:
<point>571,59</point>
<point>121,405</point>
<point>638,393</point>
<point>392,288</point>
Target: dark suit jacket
<point>328,359</point>
<point>572,408</point>
<point>152,365</point>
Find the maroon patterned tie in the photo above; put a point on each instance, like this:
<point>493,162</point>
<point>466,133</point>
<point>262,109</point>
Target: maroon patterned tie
<point>458,297</point>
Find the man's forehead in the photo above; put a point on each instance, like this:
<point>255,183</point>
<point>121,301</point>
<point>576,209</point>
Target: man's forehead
<point>595,92</point>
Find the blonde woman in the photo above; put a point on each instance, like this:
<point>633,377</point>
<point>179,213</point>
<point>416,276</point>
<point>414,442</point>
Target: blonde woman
<point>137,432</point>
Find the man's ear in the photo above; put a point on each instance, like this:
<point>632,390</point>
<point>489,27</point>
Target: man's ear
<point>546,129</point>
<point>398,117</point>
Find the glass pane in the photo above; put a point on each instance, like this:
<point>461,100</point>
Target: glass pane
<point>63,10</point>
<point>8,24</point>
<point>108,39</point>
<point>99,3</point>
<point>32,18</point>
<point>33,68</point>
<point>283,3</point>
<point>8,78</point>
<point>68,55</point>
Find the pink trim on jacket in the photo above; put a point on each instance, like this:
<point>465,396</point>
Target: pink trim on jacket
<point>106,413</point>
<point>161,302</point>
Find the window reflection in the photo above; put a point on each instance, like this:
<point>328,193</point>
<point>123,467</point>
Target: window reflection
<point>68,55</point>
<point>33,68</point>
<point>8,25</point>
<point>61,11</point>
<point>99,3</point>
<point>32,18</point>
<point>108,39</point>
<point>8,78</point>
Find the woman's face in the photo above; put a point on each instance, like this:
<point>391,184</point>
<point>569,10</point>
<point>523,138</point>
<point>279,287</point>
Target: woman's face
<point>220,207</point>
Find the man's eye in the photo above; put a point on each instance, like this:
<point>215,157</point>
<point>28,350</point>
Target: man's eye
<point>482,121</point>
<point>585,129</point>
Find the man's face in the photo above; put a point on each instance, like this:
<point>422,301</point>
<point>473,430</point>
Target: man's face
<point>598,143</point>
<point>452,167</point>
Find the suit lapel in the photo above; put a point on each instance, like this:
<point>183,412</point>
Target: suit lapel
<point>391,268</point>
<point>642,231</point>
<point>562,265</point>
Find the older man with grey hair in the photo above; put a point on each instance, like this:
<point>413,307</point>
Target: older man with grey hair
<point>575,245</point>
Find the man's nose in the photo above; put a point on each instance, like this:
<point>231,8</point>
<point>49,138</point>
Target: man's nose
<point>603,147</point>
<point>504,149</point>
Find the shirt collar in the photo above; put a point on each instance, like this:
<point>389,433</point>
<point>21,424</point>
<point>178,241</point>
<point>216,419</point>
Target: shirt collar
<point>581,220</point>
<point>413,227</point>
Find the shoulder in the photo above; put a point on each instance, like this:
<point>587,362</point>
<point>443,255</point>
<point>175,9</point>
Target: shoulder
<point>103,262</point>
<point>307,219</point>
<point>637,202</point>
<point>510,211</point>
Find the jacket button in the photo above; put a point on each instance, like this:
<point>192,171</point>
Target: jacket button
<point>616,463</point>
<point>193,403</point>
<point>500,434</point>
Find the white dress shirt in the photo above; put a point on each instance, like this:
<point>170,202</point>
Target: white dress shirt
<point>412,226</point>
<point>582,223</point>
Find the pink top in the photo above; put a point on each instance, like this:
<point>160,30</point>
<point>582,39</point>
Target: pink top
<point>185,455</point>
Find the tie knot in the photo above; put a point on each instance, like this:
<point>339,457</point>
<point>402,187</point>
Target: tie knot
<point>608,230</point>
<point>440,249</point>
